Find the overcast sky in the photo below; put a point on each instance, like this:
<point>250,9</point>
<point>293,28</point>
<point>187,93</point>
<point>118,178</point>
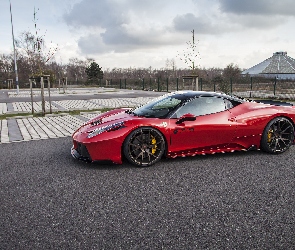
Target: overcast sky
<point>143,33</point>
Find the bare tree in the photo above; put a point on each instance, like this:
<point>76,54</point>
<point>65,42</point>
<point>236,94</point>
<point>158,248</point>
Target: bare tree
<point>76,70</point>
<point>6,65</point>
<point>191,55</point>
<point>32,47</point>
<point>232,71</point>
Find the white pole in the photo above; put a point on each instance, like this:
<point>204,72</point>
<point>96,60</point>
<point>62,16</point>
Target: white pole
<point>15,65</point>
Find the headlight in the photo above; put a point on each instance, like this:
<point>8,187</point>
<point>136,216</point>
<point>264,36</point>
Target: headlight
<point>107,128</point>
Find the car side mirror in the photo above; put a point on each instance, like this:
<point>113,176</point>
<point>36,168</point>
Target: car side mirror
<point>186,117</point>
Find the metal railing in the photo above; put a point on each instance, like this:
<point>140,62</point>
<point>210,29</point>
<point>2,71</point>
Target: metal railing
<point>249,87</point>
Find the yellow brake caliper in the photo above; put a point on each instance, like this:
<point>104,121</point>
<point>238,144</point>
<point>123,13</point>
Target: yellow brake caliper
<point>269,135</point>
<point>154,148</point>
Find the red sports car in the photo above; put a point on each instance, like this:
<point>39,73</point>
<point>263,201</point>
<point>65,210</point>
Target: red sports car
<point>185,123</point>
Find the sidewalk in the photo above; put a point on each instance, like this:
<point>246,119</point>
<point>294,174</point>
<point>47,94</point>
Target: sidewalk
<point>26,128</point>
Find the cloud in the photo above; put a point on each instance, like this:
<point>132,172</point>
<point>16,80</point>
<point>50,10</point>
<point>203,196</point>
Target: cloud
<point>119,36</point>
<point>112,40</point>
<point>92,44</point>
<point>89,13</point>
<point>258,7</point>
<point>258,22</point>
<point>129,25</point>
<point>118,25</point>
<point>122,40</point>
<point>201,25</point>
<point>257,14</point>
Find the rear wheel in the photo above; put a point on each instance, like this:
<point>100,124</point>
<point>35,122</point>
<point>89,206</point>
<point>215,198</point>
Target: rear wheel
<point>277,136</point>
<point>144,146</point>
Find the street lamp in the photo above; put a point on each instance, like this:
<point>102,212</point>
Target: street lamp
<point>15,65</point>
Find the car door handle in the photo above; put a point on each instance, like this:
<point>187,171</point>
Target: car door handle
<point>232,119</point>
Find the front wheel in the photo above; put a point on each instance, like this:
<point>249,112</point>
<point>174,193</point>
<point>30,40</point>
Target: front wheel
<point>277,136</point>
<point>144,146</point>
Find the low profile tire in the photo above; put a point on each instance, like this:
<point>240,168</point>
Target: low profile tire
<point>277,136</point>
<point>144,146</point>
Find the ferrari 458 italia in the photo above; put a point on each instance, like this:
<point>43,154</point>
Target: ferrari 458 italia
<point>185,123</point>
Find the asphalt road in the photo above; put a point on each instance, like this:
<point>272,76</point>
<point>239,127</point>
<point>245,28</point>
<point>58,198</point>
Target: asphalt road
<point>241,200</point>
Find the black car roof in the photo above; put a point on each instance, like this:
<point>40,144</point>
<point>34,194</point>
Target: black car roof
<point>193,94</point>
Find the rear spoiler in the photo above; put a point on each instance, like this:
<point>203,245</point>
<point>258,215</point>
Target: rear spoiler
<point>276,103</point>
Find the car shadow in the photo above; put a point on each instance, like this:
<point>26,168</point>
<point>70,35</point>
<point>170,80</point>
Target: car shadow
<point>228,155</point>
<point>220,157</point>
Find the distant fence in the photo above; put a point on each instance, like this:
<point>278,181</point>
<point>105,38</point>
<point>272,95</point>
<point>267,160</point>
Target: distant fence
<point>248,87</point>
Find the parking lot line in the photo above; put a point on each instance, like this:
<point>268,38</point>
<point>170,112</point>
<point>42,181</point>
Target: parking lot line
<point>31,129</point>
<point>23,129</point>
<point>4,132</point>
<point>48,121</point>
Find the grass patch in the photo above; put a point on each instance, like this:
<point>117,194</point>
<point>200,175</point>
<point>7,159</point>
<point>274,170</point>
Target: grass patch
<point>5,116</point>
<point>39,114</point>
<point>77,112</point>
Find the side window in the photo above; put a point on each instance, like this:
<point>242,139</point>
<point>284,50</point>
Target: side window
<point>202,106</point>
<point>166,103</point>
<point>231,103</point>
<point>228,104</point>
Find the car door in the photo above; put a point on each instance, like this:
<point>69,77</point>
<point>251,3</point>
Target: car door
<point>213,127</point>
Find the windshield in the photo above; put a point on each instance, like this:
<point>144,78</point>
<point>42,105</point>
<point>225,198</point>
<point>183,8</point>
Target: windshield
<point>158,108</point>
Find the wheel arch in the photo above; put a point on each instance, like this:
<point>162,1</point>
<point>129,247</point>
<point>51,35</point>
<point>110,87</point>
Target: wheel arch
<point>278,116</point>
<point>271,120</point>
<point>293,123</point>
<point>290,119</point>
<point>145,126</point>
<point>284,116</point>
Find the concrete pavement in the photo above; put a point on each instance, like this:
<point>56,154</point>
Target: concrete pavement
<point>24,128</point>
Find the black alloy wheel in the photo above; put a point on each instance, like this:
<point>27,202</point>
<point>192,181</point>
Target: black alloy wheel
<point>278,136</point>
<point>144,146</point>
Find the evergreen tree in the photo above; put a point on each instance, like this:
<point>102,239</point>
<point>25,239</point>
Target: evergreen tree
<point>94,72</point>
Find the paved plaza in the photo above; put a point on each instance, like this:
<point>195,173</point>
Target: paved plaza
<point>26,128</point>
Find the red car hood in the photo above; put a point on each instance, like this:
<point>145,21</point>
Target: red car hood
<point>103,120</point>
<point>110,116</point>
